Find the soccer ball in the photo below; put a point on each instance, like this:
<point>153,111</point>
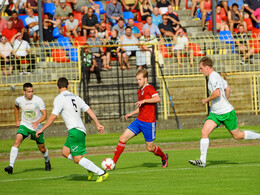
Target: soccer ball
<point>108,164</point>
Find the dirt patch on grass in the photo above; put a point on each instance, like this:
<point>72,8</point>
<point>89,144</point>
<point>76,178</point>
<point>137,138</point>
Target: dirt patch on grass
<point>137,148</point>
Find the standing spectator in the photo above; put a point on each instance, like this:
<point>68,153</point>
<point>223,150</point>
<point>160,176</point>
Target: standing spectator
<point>256,17</point>
<point>235,18</point>
<point>22,49</point>
<point>153,28</point>
<point>83,5</point>
<point>20,6</point>
<point>195,3</point>
<point>146,9</point>
<point>157,19</point>
<point>89,64</point>
<point>224,4</point>
<point>206,11</point>
<point>182,47</point>
<point>8,57</point>
<point>135,30</point>
<point>19,26</point>
<point>10,7</point>
<point>61,13</point>
<point>166,28</point>
<point>176,4</point>
<point>32,4</point>
<point>89,22</point>
<point>2,24</point>
<point>243,46</point>
<point>33,24</point>
<point>128,38</point>
<point>102,32</point>
<point>120,27</point>
<point>114,12</point>
<point>9,31</point>
<point>98,52</point>
<point>71,26</point>
<point>173,18</point>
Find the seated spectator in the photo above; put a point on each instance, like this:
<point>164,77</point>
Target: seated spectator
<point>195,3</point>
<point>146,9</point>
<point>173,18</point>
<point>128,38</point>
<point>83,5</point>
<point>20,6</point>
<point>32,4</point>
<point>98,52</point>
<point>242,45</point>
<point>8,57</point>
<point>176,4</point>
<point>153,28</point>
<point>148,38</point>
<point>221,24</point>
<point>102,32</point>
<point>256,17</point>
<point>33,24</point>
<point>135,30</point>
<point>235,18</point>
<point>19,26</point>
<point>206,11</point>
<point>89,64</point>
<point>22,49</point>
<point>251,6</point>
<point>182,46</point>
<point>157,19</point>
<point>2,24</point>
<point>10,8</point>
<point>9,31</point>
<point>129,5</point>
<point>89,22</point>
<point>120,27</point>
<point>114,12</point>
<point>224,4</point>
<point>166,28</point>
<point>48,26</point>
<point>61,13</point>
<point>71,26</point>
<point>163,6</point>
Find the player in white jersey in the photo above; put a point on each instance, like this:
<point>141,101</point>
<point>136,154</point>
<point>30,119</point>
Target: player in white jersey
<point>33,113</point>
<point>70,106</point>
<point>221,111</point>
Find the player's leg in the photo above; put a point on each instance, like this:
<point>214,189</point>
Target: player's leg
<point>66,152</point>
<point>151,147</point>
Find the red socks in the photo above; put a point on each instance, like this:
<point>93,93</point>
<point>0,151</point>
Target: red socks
<point>158,152</point>
<point>119,149</point>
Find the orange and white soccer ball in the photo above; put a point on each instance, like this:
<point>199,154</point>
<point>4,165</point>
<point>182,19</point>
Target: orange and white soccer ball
<point>108,164</point>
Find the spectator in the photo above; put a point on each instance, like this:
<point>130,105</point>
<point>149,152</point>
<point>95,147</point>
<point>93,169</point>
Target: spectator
<point>89,64</point>
<point>163,6</point>
<point>256,17</point>
<point>195,3</point>
<point>221,24</point>
<point>128,6</point>
<point>8,57</point>
<point>102,32</point>
<point>120,27</point>
<point>235,18</point>
<point>173,18</point>
<point>19,26</point>
<point>20,6</point>
<point>48,26</point>
<point>114,12</point>
<point>146,9</point>
<point>98,52</point>
<point>128,38</point>
<point>251,6</point>
<point>176,4</point>
<point>83,5</point>
<point>9,31</point>
<point>10,7</point>
<point>206,11</point>
<point>32,4</point>
<point>224,4</point>
<point>153,28</point>
<point>22,49</point>
<point>89,22</point>
<point>166,28</point>
<point>61,13</point>
<point>114,51</point>
<point>240,4</point>
<point>33,24</point>
<point>2,24</point>
<point>135,30</point>
<point>157,19</point>
<point>71,26</point>
<point>242,45</point>
<point>148,38</point>
<point>182,47</point>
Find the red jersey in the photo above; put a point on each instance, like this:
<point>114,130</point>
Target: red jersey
<point>147,111</point>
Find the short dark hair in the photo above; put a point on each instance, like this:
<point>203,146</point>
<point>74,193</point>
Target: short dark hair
<point>27,85</point>
<point>70,14</point>
<point>121,19</point>
<point>128,27</point>
<point>235,4</point>
<point>206,61</point>
<point>143,72</point>
<point>149,17</point>
<point>14,12</point>
<point>62,82</point>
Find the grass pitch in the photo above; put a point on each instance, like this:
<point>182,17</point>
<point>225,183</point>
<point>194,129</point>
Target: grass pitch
<point>230,170</point>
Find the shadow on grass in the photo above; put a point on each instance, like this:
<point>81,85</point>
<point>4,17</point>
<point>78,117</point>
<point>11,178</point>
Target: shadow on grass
<point>143,165</point>
<point>78,178</point>
<point>29,170</point>
<point>220,162</point>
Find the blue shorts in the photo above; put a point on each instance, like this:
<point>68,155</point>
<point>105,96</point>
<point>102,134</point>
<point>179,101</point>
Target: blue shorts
<point>148,129</point>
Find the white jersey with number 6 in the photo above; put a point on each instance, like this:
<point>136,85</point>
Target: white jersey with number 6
<point>220,105</point>
<point>70,106</point>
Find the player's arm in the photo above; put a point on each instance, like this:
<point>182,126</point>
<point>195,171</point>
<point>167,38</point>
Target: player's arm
<point>214,95</point>
<point>227,92</point>
<point>136,111</point>
<point>16,114</point>
<point>43,117</point>
<point>51,119</point>
<point>155,99</point>
<point>100,128</point>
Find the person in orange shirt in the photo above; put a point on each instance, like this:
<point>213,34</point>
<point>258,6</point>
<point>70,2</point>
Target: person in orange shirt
<point>9,32</point>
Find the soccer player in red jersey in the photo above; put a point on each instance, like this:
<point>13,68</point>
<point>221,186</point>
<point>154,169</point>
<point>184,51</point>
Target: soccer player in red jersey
<point>145,122</point>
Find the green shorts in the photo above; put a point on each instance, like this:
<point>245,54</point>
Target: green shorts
<point>76,142</point>
<point>26,132</point>
<point>229,119</point>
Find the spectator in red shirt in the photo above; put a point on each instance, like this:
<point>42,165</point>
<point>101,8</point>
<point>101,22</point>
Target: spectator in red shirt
<point>2,24</point>
<point>9,31</point>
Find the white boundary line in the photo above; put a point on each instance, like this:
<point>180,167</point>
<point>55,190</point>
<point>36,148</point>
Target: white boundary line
<point>132,172</point>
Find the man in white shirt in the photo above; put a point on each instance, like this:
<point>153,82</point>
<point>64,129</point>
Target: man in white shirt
<point>33,113</point>
<point>71,26</point>
<point>70,105</point>
<point>221,111</point>
<point>33,24</point>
